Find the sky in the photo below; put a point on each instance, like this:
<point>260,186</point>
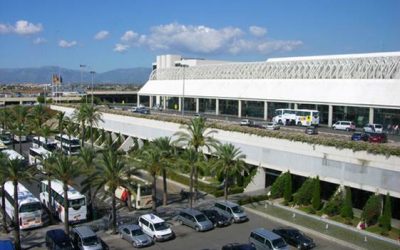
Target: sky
<point>106,34</point>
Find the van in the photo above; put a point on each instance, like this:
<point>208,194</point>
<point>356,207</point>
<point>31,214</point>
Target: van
<point>344,125</point>
<point>85,239</point>
<point>233,211</point>
<point>155,227</point>
<point>56,239</point>
<point>373,128</point>
<point>262,239</point>
<point>194,219</point>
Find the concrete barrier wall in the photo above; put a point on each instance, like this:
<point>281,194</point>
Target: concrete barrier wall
<point>375,173</point>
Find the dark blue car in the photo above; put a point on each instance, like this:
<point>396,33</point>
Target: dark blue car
<point>359,137</point>
<point>6,245</point>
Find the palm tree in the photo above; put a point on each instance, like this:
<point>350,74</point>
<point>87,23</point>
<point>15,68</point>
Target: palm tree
<point>15,171</point>
<point>80,116</point>
<point>60,122</point>
<point>87,158</point>
<point>37,117</point>
<point>92,117</point>
<point>190,158</point>
<point>164,144</point>
<point>48,165</point>
<point>111,173</point>
<point>70,130</point>
<point>20,114</point>
<point>66,170</point>
<point>3,179</point>
<point>196,136</point>
<point>46,132</point>
<point>229,163</point>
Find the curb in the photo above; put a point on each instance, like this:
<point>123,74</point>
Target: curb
<point>304,229</point>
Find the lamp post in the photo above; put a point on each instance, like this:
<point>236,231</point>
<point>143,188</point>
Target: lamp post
<point>183,86</point>
<point>92,73</point>
<point>82,66</point>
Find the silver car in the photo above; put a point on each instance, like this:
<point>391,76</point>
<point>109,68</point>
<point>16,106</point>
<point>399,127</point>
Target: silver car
<point>134,234</point>
<point>194,219</point>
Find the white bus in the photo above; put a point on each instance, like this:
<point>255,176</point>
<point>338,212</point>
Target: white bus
<point>36,155</point>
<point>12,154</point>
<point>30,210</point>
<point>67,145</point>
<point>21,138</point>
<point>76,201</point>
<point>300,117</point>
<point>50,145</point>
<point>141,195</point>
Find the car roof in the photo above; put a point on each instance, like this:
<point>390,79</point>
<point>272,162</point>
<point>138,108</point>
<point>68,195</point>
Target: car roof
<point>58,235</point>
<point>131,227</point>
<point>191,211</point>
<point>227,203</point>
<point>265,233</point>
<point>152,217</point>
<point>84,231</point>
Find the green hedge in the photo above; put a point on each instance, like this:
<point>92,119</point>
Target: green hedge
<point>186,181</point>
<point>233,190</point>
<point>382,149</point>
<point>252,199</point>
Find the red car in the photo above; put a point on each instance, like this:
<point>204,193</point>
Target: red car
<point>377,137</point>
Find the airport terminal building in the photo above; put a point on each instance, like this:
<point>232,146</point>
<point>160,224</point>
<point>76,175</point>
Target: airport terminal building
<point>363,88</point>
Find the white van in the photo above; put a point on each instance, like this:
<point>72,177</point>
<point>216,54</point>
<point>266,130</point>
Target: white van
<point>155,227</point>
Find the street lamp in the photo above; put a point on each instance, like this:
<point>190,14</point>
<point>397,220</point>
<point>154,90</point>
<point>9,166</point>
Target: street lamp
<point>82,66</point>
<point>183,86</point>
<point>92,73</point>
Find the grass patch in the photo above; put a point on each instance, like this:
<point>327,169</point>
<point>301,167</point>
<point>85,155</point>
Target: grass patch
<point>392,234</point>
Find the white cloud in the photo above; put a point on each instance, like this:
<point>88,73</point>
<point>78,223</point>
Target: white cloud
<point>270,46</point>
<point>39,40</point>
<point>101,35</point>
<point>129,36</point>
<point>66,44</point>
<point>257,31</point>
<point>120,48</point>
<point>21,27</point>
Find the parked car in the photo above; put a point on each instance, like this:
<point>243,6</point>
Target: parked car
<point>194,219</point>
<point>311,130</point>
<point>246,122</point>
<point>238,246</point>
<point>295,238</point>
<point>6,245</point>
<point>57,239</point>
<point>357,136</point>
<point>373,128</point>
<point>84,238</point>
<point>134,234</point>
<point>344,125</point>
<point>155,227</point>
<point>216,218</point>
<point>271,126</point>
<point>264,239</point>
<point>231,210</point>
<point>6,138</point>
<point>377,137</point>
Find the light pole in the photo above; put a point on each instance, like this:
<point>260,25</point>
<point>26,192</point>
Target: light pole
<point>92,73</point>
<point>82,66</point>
<point>183,86</point>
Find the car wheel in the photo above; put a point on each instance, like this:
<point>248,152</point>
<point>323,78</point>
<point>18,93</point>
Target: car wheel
<point>299,246</point>
<point>120,236</point>
<point>347,129</point>
<point>215,224</point>
<point>134,244</point>
<point>197,228</point>
<point>180,222</point>
<point>231,220</point>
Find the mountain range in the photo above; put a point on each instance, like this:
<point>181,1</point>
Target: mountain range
<point>137,76</point>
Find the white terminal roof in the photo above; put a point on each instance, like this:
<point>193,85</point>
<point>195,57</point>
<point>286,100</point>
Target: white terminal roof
<point>371,80</point>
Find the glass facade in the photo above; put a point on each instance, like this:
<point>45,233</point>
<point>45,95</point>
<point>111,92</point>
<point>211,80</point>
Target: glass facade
<point>388,117</point>
<point>358,115</point>
<point>228,107</point>
<point>252,109</point>
<point>272,106</point>
<point>207,106</point>
<point>144,100</point>
<point>190,104</point>
<point>172,103</point>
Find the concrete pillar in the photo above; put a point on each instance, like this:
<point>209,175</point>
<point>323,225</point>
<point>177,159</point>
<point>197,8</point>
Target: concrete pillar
<point>330,115</point>
<point>217,106</point>
<point>197,105</point>
<point>164,102</point>
<point>150,101</point>
<point>296,106</point>
<point>345,112</point>
<point>138,100</point>
<point>265,110</point>
<point>371,115</point>
<point>158,100</point>
<point>180,103</point>
<point>239,108</point>
<point>21,102</point>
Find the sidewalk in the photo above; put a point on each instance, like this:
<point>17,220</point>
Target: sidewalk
<point>345,235</point>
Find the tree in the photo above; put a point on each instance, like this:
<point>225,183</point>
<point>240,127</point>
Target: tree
<point>66,170</point>
<point>191,159</point>
<point>229,162</point>
<point>288,189</point>
<point>80,116</point>
<point>20,127</point>
<point>372,209</point>
<point>16,171</point>
<point>278,187</point>
<point>304,194</point>
<point>164,144</point>
<point>385,219</point>
<point>3,179</point>
<point>111,173</point>
<point>92,116</point>
<point>60,122</point>
<point>48,165</point>
<point>70,130</point>
<point>38,115</point>
<point>196,136</point>
<point>87,158</point>
<point>347,208</point>
<point>316,197</point>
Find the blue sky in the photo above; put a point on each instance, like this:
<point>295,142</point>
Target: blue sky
<point>129,33</point>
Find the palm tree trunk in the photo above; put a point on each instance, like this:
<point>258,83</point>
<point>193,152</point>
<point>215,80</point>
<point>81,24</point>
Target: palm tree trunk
<point>13,140</point>
<point>226,186</point>
<point>196,182</point>
<point>165,195</point>
<point>83,135</point>
<point>154,193</point>
<point>91,135</point>
<point>3,208</point>
<point>114,212</point>
<point>191,187</point>
<point>20,144</point>
<point>90,203</point>
<point>66,209</point>
<point>50,205</point>
<point>16,218</point>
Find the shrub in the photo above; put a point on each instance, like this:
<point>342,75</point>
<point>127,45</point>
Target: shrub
<point>252,199</point>
<point>334,204</point>
<point>287,191</point>
<point>233,190</point>
<point>277,187</point>
<point>347,208</point>
<point>304,194</point>
<point>385,219</point>
<point>372,209</point>
<point>316,198</point>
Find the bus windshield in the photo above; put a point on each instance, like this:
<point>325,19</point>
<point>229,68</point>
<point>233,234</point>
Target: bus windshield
<point>30,207</point>
<point>77,202</point>
<point>145,190</point>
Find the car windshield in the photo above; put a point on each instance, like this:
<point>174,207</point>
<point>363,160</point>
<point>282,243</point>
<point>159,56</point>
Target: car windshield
<point>92,240</point>
<point>297,234</point>
<point>378,126</point>
<point>30,207</point>
<point>279,243</point>
<point>237,209</point>
<point>137,232</point>
<point>77,202</point>
<point>160,226</point>
<point>201,218</point>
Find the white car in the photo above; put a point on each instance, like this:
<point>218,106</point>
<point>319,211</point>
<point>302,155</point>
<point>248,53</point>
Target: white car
<point>373,128</point>
<point>344,125</point>
<point>271,126</point>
